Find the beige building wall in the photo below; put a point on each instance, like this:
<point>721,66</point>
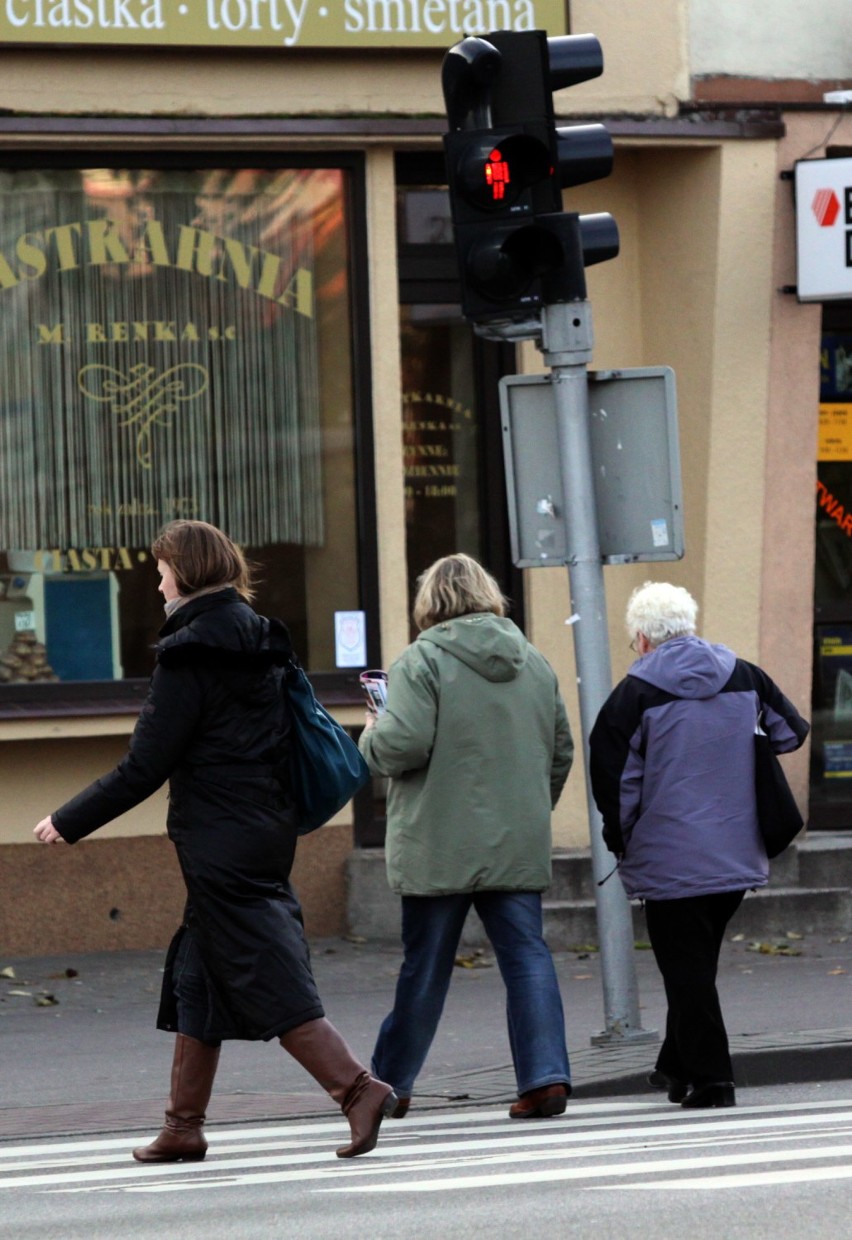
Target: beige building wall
<point>787,581</point>
<point>694,288</point>
<point>646,69</point>
<point>198,83</point>
<point>707,240</point>
<point>387,403</point>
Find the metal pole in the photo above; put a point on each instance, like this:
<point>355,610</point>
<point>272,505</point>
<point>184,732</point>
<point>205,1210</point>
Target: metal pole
<point>566,344</point>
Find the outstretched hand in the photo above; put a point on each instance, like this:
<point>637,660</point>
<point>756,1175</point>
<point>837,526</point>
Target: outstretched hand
<point>46,832</point>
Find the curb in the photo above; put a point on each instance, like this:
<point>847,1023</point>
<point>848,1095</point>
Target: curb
<point>794,1065</point>
<point>826,1055</point>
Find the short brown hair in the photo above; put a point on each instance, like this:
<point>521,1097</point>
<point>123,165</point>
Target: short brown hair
<point>201,557</point>
<point>455,586</point>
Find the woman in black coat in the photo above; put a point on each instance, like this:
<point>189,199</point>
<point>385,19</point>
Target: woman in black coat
<point>216,724</point>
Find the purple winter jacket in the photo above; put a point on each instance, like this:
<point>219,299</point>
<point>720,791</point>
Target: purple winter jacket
<point>672,769</point>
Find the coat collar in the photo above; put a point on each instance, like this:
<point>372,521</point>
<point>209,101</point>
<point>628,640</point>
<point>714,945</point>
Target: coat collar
<point>197,606</point>
<point>222,629</point>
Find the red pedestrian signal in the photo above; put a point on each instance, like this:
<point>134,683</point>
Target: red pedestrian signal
<point>507,163</point>
<point>497,175</point>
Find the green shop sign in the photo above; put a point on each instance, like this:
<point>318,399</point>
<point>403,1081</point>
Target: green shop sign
<point>337,24</point>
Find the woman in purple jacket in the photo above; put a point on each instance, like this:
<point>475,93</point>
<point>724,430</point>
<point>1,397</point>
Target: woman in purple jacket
<point>672,770</point>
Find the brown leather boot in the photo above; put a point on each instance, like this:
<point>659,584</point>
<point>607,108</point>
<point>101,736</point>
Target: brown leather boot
<point>322,1052</point>
<point>193,1072</point>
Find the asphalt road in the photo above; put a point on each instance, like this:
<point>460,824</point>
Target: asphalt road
<point>777,1165</point>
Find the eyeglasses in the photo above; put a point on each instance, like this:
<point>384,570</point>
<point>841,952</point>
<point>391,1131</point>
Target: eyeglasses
<point>634,645</point>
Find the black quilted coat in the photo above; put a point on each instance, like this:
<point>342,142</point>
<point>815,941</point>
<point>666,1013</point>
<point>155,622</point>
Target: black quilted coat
<point>215,725</point>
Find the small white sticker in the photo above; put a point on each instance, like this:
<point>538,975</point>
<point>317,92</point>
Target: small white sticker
<point>660,532</point>
<point>24,621</point>
<point>350,639</point>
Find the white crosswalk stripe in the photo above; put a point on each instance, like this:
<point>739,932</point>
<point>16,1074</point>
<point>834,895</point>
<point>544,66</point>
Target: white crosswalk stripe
<point>623,1144</point>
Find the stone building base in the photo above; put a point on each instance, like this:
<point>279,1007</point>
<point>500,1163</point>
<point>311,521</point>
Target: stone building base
<point>127,894</point>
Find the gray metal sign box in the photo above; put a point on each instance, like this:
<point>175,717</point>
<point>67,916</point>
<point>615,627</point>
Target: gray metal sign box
<point>636,463</point>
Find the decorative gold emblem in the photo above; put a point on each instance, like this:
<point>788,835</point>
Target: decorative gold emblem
<point>143,398</point>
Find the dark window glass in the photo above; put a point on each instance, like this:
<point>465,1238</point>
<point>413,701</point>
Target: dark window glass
<point>173,342</point>
<point>831,752</point>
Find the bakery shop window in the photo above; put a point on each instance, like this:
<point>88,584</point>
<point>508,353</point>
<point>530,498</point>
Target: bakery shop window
<point>174,342</point>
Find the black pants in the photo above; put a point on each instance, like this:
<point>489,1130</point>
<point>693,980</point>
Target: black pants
<point>686,936</point>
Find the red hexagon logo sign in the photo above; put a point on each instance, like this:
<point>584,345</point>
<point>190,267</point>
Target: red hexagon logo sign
<point>826,207</point>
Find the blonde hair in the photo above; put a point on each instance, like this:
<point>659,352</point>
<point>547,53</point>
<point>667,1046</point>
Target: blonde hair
<point>455,586</point>
<point>202,558</point>
<point>659,611</point>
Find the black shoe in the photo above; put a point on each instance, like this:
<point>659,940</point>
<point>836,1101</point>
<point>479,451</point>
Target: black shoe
<point>676,1090</point>
<point>716,1094</point>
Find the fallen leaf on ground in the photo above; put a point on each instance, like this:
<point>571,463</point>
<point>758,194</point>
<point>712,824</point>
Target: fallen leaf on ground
<point>46,1000</point>
<point>476,960</point>
<point>737,938</point>
<point>774,949</point>
<point>791,934</point>
<point>582,977</point>
<point>25,994</point>
<point>835,972</point>
<point>9,972</point>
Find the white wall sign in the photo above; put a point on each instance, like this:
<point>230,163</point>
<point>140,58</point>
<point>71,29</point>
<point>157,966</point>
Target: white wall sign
<point>824,229</point>
<point>350,638</point>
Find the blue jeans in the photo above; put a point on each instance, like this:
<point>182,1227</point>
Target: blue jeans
<point>431,929</point>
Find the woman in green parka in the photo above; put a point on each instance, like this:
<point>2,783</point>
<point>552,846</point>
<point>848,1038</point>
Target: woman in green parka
<point>477,747</point>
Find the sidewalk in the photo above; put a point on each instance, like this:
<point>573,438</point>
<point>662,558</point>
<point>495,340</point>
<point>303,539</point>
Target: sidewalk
<point>80,1053</point>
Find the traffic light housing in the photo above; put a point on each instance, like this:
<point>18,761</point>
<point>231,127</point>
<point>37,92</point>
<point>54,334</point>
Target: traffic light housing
<point>507,163</point>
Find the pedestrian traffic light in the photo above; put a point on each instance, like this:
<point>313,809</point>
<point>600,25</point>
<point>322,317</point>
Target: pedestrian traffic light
<point>507,163</point>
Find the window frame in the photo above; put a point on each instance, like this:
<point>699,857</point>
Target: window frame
<point>23,700</point>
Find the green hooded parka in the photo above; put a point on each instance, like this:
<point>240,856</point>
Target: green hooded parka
<point>477,746</point>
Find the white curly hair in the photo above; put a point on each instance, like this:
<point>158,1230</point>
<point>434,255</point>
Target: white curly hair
<point>660,611</point>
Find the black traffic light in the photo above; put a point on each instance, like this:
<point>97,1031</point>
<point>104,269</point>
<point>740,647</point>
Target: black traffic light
<point>507,163</point>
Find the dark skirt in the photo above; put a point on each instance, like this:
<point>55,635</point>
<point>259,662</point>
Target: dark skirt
<point>249,973</point>
<point>213,993</point>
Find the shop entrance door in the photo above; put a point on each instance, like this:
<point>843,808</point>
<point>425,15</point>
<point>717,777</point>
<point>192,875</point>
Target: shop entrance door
<point>455,487</point>
<point>831,748</point>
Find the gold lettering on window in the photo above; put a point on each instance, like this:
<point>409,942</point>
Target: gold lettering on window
<point>142,398</point>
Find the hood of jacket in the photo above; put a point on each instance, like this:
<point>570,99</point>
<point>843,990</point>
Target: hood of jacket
<point>493,646</point>
<point>687,667</point>
<point>221,627</point>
